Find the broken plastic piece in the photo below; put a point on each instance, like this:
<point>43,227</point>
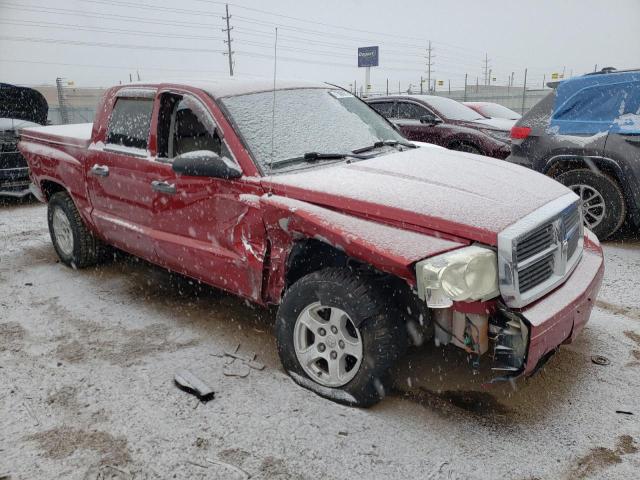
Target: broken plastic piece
<point>187,381</point>
<point>236,369</point>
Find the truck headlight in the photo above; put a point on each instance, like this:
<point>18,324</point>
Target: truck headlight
<point>467,274</point>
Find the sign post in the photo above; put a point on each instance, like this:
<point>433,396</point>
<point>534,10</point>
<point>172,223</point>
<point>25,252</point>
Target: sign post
<point>367,58</point>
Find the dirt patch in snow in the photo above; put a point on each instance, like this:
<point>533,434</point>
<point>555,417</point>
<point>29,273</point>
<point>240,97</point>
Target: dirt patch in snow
<point>123,347</point>
<point>601,458</point>
<point>65,397</point>
<point>61,442</point>
<point>235,456</point>
<point>482,404</point>
<point>636,338</point>
<point>11,336</point>
<point>630,312</point>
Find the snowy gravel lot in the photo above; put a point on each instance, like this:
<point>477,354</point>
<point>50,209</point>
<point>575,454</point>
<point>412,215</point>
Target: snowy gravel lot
<point>86,387</point>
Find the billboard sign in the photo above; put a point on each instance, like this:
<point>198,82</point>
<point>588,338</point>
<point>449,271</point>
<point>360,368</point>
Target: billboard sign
<point>368,56</point>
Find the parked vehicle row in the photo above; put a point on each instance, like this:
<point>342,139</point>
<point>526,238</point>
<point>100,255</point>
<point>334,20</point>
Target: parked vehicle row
<point>367,242</point>
<point>20,107</point>
<point>445,122</point>
<point>586,135</point>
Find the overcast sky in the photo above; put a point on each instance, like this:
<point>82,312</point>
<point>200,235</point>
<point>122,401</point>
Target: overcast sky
<point>100,42</point>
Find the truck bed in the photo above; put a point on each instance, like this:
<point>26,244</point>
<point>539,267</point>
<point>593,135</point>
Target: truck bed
<point>77,135</point>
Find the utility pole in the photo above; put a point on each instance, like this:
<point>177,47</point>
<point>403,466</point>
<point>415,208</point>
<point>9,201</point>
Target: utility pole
<point>544,79</point>
<point>429,65</point>
<point>387,86</point>
<point>229,53</point>
<point>62,102</point>
<point>524,90</point>
<point>486,69</point>
<point>421,82</point>
<point>465,87</point>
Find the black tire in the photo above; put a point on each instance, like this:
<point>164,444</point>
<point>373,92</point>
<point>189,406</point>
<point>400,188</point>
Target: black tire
<point>608,188</point>
<point>466,147</point>
<point>86,249</point>
<point>384,336</point>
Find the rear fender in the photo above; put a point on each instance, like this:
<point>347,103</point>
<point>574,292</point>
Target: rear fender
<point>49,164</point>
<point>386,248</point>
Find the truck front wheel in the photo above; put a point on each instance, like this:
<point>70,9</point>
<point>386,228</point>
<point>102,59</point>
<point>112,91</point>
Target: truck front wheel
<point>337,337</point>
<point>73,242</point>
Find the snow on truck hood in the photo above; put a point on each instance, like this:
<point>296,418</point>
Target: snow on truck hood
<point>466,195</point>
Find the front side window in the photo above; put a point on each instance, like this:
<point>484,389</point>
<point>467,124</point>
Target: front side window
<point>304,120</point>
<point>184,125</point>
<point>411,111</point>
<point>130,122</point>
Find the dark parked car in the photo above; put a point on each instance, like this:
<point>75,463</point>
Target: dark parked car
<point>445,122</point>
<point>493,110</point>
<point>586,134</point>
<point>20,107</point>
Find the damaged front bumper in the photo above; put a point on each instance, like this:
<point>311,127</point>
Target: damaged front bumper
<point>561,315</point>
<point>519,341</point>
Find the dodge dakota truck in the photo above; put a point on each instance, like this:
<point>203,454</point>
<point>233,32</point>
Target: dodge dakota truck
<point>300,195</point>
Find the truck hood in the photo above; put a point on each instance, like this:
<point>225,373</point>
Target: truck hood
<point>464,195</point>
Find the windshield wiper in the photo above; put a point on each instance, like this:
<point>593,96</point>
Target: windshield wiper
<point>383,143</point>
<point>311,157</point>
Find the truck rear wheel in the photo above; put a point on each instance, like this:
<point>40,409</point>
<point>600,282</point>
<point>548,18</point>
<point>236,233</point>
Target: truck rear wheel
<point>603,204</point>
<point>74,244</point>
<point>337,337</point>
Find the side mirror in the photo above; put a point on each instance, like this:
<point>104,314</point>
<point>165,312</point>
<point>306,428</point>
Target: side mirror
<point>204,163</point>
<point>430,120</point>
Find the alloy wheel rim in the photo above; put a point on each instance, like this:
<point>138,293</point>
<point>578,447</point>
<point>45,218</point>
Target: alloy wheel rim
<point>62,232</point>
<point>593,205</point>
<point>328,345</point>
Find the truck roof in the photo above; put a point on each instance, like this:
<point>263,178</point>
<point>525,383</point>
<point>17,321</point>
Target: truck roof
<point>227,87</point>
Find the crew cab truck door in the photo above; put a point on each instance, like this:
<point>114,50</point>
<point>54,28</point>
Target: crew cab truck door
<point>118,174</point>
<point>208,228</point>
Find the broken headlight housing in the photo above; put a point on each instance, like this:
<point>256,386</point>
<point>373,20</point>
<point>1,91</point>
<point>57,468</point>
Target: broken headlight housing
<point>464,275</point>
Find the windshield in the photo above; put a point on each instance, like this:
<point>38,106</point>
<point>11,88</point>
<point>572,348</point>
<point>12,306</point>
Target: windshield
<point>453,110</point>
<point>493,110</point>
<point>306,120</point>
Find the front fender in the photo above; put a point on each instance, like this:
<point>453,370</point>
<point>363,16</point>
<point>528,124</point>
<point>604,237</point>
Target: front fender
<point>387,248</point>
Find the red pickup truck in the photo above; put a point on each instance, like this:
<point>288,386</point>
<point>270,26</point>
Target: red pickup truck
<point>305,197</point>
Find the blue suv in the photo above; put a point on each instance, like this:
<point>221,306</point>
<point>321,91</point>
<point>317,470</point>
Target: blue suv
<point>586,134</point>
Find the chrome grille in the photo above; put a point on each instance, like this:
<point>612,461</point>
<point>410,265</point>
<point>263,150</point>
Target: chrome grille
<point>536,273</point>
<point>539,252</point>
<point>534,242</point>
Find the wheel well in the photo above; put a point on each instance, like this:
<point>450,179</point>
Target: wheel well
<point>566,165</point>
<point>310,255</point>
<point>49,187</point>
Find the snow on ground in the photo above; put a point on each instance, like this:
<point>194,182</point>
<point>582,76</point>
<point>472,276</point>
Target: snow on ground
<point>86,372</point>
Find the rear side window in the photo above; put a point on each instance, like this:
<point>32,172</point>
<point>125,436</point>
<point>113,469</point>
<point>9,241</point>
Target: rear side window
<point>130,122</point>
<point>600,103</point>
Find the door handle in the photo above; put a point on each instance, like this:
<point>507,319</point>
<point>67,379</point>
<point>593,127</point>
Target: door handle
<point>163,187</point>
<point>100,170</point>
